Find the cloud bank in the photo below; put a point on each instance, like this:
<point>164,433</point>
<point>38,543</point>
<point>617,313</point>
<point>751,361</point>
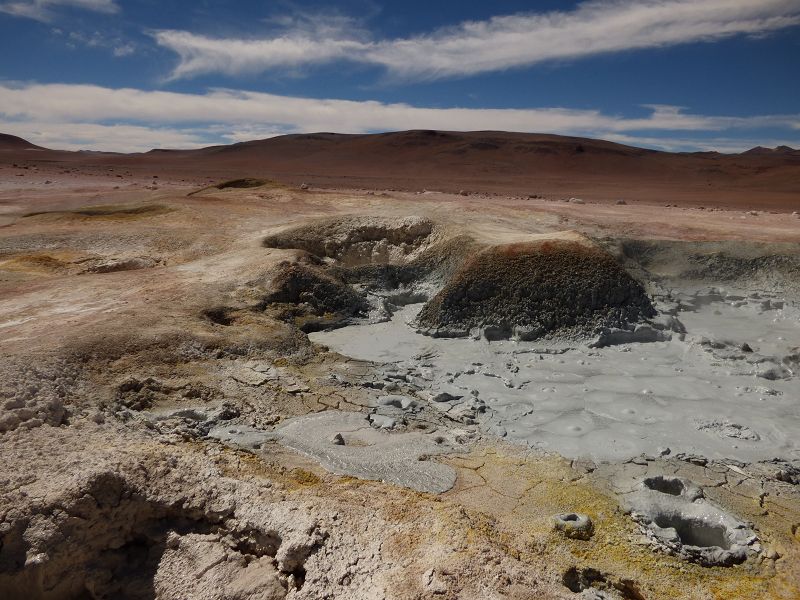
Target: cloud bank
<point>127,119</point>
<point>470,48</point>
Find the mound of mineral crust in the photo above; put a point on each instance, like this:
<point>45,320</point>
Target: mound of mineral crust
<point>558,284</point>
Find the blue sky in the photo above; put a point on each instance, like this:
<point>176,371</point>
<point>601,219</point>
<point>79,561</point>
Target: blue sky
<point>132,75</point>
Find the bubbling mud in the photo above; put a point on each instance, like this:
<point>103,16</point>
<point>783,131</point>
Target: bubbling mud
<point>726,388</point>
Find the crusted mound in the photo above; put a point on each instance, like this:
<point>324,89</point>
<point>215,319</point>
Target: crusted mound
<point>312,298</point>
<point>533,289</point>
<point>436,263</point>
<point>358,240</point>
<point>749,265</point>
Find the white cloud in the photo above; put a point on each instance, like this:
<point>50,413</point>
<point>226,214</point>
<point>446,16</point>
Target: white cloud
<point>109,40</point>
<point>43,10</point>
<point>110,138</point>
<point>304,39</point>
<point>689,144</point>
<point>236,115</point>
<point>125,49</point>
<point>503,42</point>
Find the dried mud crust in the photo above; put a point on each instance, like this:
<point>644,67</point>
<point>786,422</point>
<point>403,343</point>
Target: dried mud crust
<point>534,289</point>
<point>358,240</point>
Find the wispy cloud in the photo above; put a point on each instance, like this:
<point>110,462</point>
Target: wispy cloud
<point>110,40</point>
<point>304,39</point>
<point>44,10</point>
<point>190,120</point>
<point>503,42</point>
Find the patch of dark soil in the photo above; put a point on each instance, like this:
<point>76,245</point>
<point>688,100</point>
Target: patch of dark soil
<point>219,315</point>
<point>141,394</point>
<point>246,182</point>
<point>106,212</point>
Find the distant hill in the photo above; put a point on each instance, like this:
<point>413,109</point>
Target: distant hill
<point>524,164</point>
<point>12,142</point>
<point>778,150</point>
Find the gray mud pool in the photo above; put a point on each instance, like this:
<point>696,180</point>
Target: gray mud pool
<point>727,387</point>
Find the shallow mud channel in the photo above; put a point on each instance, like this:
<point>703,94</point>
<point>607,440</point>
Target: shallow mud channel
<point>726,388</point>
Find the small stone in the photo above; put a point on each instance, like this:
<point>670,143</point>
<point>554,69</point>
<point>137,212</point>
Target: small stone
<point>337,440</point>
<point>173,540</point>
<point>444,397</point>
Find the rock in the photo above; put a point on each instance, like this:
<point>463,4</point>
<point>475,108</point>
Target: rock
<point>666,322</point>
<point>382,421</point>
<point>397,401</point>
<point>250,376</point>
<point>577,526</point>
<point>444,397</point>
<point>773,372</point>
<point>642,334</point>
<point>620,203</point>
<point>337,440</point>
<point>304,186</point>
<point>433,583</point>
<point>730,430</point>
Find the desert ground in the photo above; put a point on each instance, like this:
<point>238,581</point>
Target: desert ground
<point>421,365</point>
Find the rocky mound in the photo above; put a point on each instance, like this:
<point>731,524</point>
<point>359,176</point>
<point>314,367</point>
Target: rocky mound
<point>529,290</point>
<point>312,298</point>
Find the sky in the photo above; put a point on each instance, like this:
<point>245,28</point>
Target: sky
<point>128,76</point>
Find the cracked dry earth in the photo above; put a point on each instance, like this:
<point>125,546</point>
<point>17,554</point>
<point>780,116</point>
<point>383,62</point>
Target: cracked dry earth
<point>169,430</point>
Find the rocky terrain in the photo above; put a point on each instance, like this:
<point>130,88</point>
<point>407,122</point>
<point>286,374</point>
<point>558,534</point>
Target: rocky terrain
<point>249,389</point>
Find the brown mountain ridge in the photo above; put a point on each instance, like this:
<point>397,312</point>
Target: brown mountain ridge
<point>478,161</point>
